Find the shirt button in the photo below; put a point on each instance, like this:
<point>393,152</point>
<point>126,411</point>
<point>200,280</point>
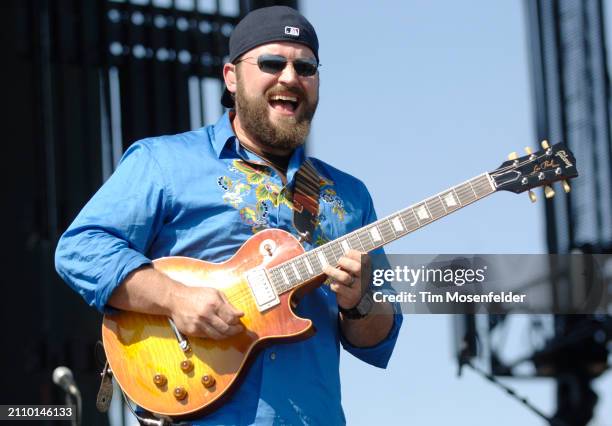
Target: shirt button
<point>273,356</point>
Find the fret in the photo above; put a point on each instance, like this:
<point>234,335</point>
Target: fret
<point>465,194</point>
<point>483,186</point>
<point>450,201</point>
<point>422,214</point>
<point>364,234</point>
<point>457,198</point>
<point>410,221</point>
<point>375,234</point>
<point>472,187</point>
<point>309,267</point>
<point>354,242</point>
<point>322,259</point>
<point>415,216</point>
<point>336,249</point>
<point>298,268</point>
<point>386,230</point>
<point>283,280</point>
<point>328,251</point>
<point>275,282</point>
<point>301,263</point>
<point>295,271</point>
<point>443,205</point>
<point>435,207</point>
<point>284,275</point>
<point>313,259</point>
<point>292,277</point>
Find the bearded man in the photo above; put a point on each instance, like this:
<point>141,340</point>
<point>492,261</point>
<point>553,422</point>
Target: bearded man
<point>202,194</point>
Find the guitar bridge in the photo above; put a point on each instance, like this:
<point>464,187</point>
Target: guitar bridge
<point>263,291</point>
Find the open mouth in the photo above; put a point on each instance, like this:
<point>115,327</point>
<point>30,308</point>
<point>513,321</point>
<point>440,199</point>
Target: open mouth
<point>285,104</point>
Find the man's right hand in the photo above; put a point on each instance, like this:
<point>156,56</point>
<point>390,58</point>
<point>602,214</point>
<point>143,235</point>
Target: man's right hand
<point>205,312</point>
<point>196,311</point>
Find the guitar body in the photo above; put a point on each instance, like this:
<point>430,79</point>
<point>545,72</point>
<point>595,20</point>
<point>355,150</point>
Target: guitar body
<point>140,346</point>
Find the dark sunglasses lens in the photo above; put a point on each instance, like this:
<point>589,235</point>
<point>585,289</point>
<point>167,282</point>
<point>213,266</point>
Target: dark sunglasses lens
<point>305,68</point>
<point>271,64</point>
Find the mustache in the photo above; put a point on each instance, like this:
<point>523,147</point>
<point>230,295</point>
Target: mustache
<point>279,89</point>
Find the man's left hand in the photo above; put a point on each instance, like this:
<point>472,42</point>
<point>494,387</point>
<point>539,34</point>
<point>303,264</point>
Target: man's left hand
<point>350,278</point>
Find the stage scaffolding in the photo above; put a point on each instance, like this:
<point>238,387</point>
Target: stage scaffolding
<point>571,92</point>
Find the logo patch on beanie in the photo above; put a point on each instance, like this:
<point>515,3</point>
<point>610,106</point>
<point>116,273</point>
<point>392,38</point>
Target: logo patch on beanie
<point>292,31</point>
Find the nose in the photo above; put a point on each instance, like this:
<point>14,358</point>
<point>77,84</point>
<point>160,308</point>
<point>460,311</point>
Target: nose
<point>288,75</point>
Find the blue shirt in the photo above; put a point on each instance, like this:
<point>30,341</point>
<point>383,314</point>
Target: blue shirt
<point>197,194</point>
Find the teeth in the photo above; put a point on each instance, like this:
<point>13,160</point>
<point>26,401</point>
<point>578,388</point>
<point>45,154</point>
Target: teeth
<point>283,98</point>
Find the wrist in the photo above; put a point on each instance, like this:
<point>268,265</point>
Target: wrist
<point>173,296</point>
<point>361,310</point>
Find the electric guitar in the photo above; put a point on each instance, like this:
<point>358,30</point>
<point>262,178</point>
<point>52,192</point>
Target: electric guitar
<point>180,377</point>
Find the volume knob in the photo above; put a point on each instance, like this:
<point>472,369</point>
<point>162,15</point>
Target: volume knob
<point>180,393</point>
<point>160,380</point>
<point>186,366</point>
<point>208,381</point>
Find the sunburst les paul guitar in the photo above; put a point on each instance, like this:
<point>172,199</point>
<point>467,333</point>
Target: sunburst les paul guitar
<point>179,376</point>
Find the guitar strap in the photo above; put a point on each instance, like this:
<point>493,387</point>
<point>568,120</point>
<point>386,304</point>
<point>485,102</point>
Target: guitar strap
<point>306,200</point>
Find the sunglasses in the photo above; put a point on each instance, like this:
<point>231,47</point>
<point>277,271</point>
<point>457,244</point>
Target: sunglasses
<point>273,64</point>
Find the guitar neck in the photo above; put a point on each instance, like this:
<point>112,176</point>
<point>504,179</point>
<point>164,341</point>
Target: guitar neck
<point>309,265</point>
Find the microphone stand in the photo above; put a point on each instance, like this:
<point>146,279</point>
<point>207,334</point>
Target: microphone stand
<point>76,396</point>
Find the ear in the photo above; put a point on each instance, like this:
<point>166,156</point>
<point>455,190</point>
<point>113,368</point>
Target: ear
<point>229,75</point>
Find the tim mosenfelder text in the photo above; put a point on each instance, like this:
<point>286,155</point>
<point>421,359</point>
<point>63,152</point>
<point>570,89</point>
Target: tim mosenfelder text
<point>450,276</point>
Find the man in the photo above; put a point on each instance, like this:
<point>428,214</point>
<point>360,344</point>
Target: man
<point>201,194</point>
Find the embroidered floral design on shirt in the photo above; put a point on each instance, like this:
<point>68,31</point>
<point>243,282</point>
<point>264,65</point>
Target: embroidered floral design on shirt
<point>252,174</point>
<point>234,192</point>
<point>258,218</point>
<point>330,197</point>
<point>256,180</point>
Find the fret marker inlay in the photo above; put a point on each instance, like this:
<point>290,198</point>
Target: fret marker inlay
<point>422,213</point>
<point>322,259</point>
<point>397,224</point>
<point>296,272</point>
<point>308,266</point>
<point>284,274</point>
<point>345,246</point>
<point>375,234</point>
<point>449,199</point>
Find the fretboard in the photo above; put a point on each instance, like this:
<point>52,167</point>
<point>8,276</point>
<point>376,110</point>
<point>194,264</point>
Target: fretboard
<point>309,265</point>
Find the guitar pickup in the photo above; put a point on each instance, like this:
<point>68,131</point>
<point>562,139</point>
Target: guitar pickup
<point>263,292</point>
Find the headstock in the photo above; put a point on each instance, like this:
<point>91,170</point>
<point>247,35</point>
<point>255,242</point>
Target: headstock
<point>542,168</point>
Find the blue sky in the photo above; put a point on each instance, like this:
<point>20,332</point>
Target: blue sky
<point>415,97</point>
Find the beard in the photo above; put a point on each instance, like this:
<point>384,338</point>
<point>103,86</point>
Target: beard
<point>284,132</point>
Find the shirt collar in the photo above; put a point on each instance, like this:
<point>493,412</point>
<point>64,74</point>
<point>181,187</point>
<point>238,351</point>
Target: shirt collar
<point>223,132</point>
<point>295,162</point>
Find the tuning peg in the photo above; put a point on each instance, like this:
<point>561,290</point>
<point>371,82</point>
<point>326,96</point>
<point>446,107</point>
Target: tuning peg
<point>528,150</point>
<point>512,156</point>
<point>532,196</point>
<point>545,144</point>
<point>549,192</point>
<point>566,186</point>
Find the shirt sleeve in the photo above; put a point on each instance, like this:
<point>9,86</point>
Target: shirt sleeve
<point>379,354</point>
<point>108,238</point>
